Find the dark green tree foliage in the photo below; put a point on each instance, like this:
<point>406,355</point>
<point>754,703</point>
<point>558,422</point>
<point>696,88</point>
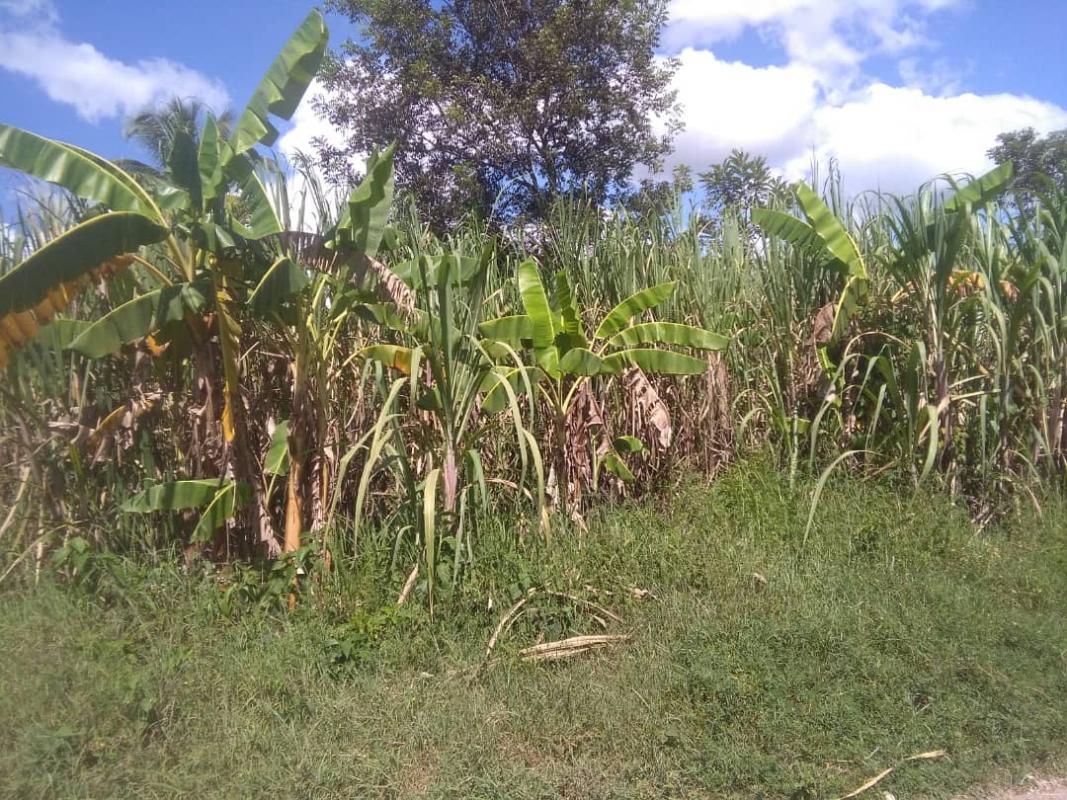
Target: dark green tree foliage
<point>155,129</point>
<point>501,106</point>
<point>654,197</point>
<point>1040,161</point>
<point>740,183</point>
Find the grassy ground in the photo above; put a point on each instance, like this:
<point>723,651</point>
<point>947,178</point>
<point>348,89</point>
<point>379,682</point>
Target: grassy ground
<point>895,629</point>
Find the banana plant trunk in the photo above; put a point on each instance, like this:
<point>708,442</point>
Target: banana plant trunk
<point>298,436</point>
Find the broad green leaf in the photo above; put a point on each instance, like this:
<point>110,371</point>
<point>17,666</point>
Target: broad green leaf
<point>184,168</point>
<point>282,88</point>
<point>535,301</point>
<point>81,249</point>
<point>496,396</point>
<point>851,297</point>
<point>831,232</point>
<point>58,334</point>
<point>391,355</point>
<point>165,195</point>
<point>209,159</point>
<point>784,226</point>
<point>668,333</point>
<point>130,322</point>
<point>656,362</point>
<point>370,204</point>
<point>263,220</point>
<point>508,329</point>
<point>282,280</point>
<point>175,496</point>
<point>628,444</point>
<point>389,316</point>
<point>614,464</point>
<point>568,305</point>
<point>565,342</point>
<point>580,361</point>
<point>276,461</point>
<point>982,189</point>
<point>635,304</point>
<point>221,508</point>
<point>83,174</point>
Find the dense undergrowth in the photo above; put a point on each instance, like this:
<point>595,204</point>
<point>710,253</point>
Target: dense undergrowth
<point>217,352</point>
<point>290,483</point>
<point>761,664</point>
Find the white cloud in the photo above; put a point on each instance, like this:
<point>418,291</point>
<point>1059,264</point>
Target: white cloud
<point>79,75</point>
<point>307,126</point>
<point>820,103</point>
<point>832,34</point>
<point>39,12</point>
<point>896,138</point>
<point>731,104</point>
<point>304,128</point>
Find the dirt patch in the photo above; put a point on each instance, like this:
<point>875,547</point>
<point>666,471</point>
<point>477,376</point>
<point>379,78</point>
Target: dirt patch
<point>1032,789</point>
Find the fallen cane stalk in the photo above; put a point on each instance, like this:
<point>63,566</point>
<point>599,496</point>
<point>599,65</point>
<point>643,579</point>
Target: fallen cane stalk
<point>569,648</point>
<point>409,584</point>
<point>930,754</point>
<point>552,650</point>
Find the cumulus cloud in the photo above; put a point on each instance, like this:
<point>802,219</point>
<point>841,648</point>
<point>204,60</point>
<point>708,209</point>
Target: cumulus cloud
<point>79,75</point>
<point>828,33</point>
<point>821,104</point>
<point>896,137</point>
<point>307,126</point>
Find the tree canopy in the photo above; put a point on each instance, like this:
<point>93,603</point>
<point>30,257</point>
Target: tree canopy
<point>1040,161</point>
<point>501,107</point>
<point>741,182</point>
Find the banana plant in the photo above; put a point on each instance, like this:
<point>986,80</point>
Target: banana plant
<point>43,285</point>
<point>350,243</point>
<point>213,201</point>
<point>565,358</point>
<point>439,445</point>
<point>823,234</point>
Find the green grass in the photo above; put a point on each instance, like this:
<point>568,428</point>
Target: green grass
<point>896,629</point>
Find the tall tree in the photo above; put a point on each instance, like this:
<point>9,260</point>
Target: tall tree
<point>501,106</point>
<point>741,182</point>
<point>1040,161</point>
<point>156,128</point>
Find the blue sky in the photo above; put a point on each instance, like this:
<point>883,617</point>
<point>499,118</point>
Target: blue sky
<point>897,90</point>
